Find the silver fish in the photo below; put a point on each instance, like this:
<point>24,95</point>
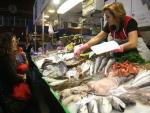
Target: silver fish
<point>72,98</point>
<point>99,102</point>
<point>97,63</point>
<point>49,79</point>
<point>85,66</point>
<point>54,71</point>
<point>118,104</point>
<point>141,74</point>
<point>73,107</point>
<point>58,82</point>
<point>72,73</point>
<point>83,109</point>
<point>46,72</point>
<point>92,68</point>
<point>106,106</point>
<point>63,67</point>
<point>143,82</point>
<point>92,106</point>
<point>128,101</point>
<point>103,63</point>
<point>109,63</point>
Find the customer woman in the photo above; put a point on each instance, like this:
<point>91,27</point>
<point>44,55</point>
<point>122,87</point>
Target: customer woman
<point>123,29</point>
<point>14,91</point>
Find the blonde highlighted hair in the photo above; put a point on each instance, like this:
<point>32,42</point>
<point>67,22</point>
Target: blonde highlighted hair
<point>116,9</point>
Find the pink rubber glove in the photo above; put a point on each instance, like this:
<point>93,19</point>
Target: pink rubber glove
<point>119,50</point>
<point>81,50</point>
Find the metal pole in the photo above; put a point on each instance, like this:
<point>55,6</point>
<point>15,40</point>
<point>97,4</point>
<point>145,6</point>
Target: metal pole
<point>43,32</point>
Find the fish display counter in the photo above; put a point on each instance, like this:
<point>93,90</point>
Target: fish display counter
<point>95,85</point>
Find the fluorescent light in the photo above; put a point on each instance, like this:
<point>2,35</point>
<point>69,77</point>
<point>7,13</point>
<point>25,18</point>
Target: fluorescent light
<point>56,1</point>
<point>46,16</point>
<point>67,5</point>
<point>46,24</point>
<point>43,20</point>
<point>51,11</point>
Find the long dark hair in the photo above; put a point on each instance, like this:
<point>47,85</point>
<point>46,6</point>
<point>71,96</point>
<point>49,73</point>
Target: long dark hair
<point>8,75</point>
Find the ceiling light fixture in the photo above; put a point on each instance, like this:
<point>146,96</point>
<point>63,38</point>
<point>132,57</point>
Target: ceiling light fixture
<point>46,16</point>
<point>67,5</point>
<point>51,11</point>
<point>43,20</point>
<point>56,2</point>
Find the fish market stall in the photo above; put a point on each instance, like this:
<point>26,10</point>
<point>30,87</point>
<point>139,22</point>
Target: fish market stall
<point>97,84</point>
<point>97,81</point>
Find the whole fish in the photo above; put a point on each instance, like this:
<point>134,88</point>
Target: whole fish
<point>141,74</point>
<point>58,82</point>
<point>63,67</point>
<point>99,102</point>
<point>54,71</point>
<point>92,106</point>
<point>122,80</point>
<point>83,109</point>
<point>97,63</point>
<point>72,98</point>
<point>128,101</point>
<point>143,82</point>
<point>46,72</point>
<point>109,63</point>
<point>117,104</point>
<point>106,106</point>
<point>73,107</point>
<point>92,68</point>
<point>72,73</point>
<point>49,80</point>
<point>85,66</point>
<point>46,63</point>
<point>103,63</point>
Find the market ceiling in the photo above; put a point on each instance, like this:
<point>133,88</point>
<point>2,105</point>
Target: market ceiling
<point>14,6</point>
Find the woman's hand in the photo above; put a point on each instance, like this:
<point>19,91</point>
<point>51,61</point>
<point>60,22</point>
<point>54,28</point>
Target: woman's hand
<point>81,50</point>
<point>119,50</point>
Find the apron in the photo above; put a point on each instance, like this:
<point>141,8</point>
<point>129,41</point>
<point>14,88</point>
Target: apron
<point>141,48</point>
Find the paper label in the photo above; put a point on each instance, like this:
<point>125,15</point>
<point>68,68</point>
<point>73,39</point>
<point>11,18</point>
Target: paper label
<point>105,47</point>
